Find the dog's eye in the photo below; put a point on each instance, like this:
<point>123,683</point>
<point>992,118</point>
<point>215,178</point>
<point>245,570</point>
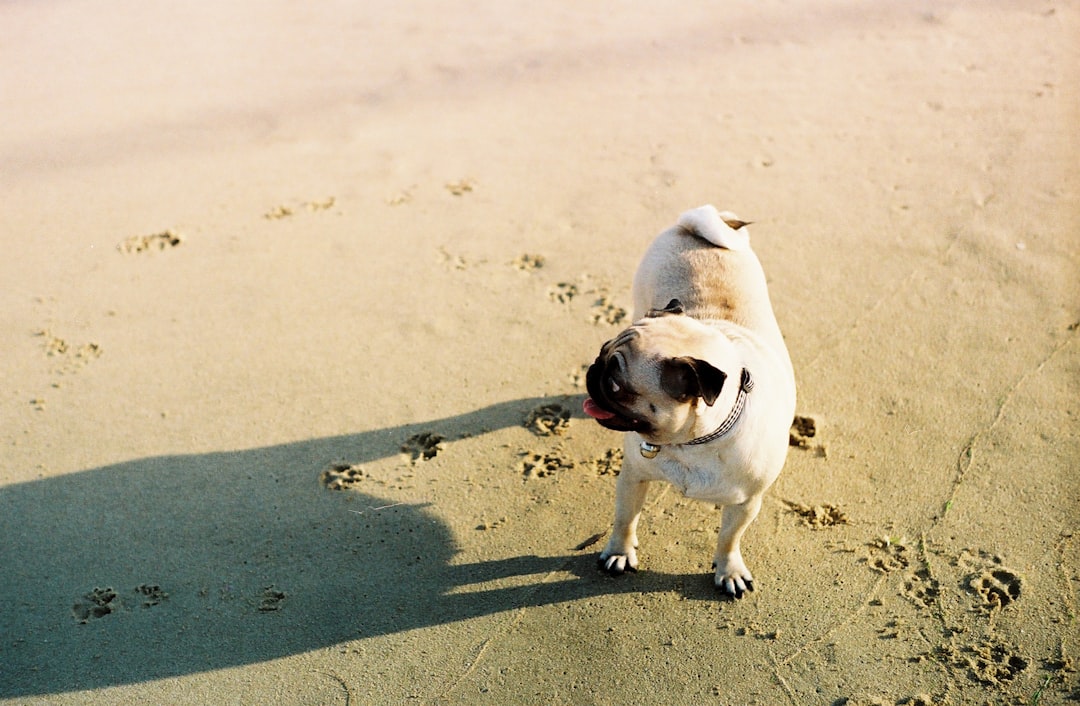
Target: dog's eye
<point>615,386</point>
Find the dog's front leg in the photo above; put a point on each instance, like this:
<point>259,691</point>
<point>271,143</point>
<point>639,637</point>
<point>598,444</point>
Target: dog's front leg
<point>620,554</point>
<point>732,577</point>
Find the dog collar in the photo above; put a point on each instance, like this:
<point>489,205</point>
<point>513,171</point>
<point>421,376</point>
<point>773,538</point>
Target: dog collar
<point>746,383</point>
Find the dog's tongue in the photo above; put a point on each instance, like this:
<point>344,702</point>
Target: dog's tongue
<point>593,410</point>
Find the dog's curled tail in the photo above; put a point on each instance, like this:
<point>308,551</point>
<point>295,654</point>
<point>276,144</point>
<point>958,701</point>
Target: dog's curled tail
<point>722,228</point>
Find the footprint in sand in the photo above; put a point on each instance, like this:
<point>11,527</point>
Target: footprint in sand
<point>993,662</point>
<point>804,434</point>
<point>323,205</point>
<point>96,604</point>
<point>151,594</point>
<point>71,357</point>
<point>921,588</point>
<point>271,600</point>
<point>106,601</point>
<point>563,292</point>
<point>486,525</point>
<point>283,211</point>
<point>536,465</point>
<point>605,311</point>
<point>461,186</point>
<point>423,446</point>
<point>54,345</point>
<point>278,212</point>
<point>578,375</point>
<point>528,263</point>
<point>818,516</point>
<point>451,261</point>
<point>608,463</point>
<point>165,240</point>
<point>802,430</point>
<point>342,476</point>
<point>403,196</point>
<point>996,586</point>
<point>886,555</point>
<point>549,420</point>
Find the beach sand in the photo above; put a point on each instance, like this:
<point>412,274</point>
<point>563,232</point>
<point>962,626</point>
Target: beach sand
<point>297,300</point>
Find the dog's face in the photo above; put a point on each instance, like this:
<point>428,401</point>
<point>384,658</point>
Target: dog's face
<point>643,380</point>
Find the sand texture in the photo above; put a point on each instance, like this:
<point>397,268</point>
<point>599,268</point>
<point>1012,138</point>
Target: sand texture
<point>297,299</point>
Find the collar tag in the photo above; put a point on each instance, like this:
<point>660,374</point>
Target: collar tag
<point>649,450</point>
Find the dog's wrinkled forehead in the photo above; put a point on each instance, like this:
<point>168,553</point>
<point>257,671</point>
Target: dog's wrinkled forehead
<point>637,335</point>
<point>626,337</point>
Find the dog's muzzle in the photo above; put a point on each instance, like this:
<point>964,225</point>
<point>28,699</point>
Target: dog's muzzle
<point>603,404</point>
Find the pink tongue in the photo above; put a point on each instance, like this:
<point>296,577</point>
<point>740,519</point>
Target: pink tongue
<point>593,410</point>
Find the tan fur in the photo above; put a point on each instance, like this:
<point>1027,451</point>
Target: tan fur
<point>728,321</point>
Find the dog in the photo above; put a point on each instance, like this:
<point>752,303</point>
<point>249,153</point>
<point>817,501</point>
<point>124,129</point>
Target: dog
<point>701,384</point>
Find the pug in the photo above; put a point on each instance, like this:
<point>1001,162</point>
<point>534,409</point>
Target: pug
<point>701,384</point>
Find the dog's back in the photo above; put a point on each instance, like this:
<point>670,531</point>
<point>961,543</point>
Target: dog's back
<point>704,248</point>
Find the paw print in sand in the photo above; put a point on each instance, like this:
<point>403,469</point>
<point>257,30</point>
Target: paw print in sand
<point>549,420</point>
<point>423,446</point>
<point>998,586</point>
<point>805,434</point>
<point>341,476</point>
<point>96,604</point>
<point>536,465</point>
<point>605,311</point>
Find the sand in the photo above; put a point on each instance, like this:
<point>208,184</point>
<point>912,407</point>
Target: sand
<point>297,300</point>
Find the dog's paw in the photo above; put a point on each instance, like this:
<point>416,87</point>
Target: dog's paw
<point>618,562</point>
<point>731,576</point>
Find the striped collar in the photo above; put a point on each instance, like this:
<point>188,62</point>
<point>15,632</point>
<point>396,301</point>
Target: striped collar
<point>746,383</point>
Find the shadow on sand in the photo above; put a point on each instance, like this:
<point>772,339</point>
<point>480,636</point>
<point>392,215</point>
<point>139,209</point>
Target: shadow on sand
<point>204,573</point>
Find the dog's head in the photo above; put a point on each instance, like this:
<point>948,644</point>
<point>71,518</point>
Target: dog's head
<point>650,379</point>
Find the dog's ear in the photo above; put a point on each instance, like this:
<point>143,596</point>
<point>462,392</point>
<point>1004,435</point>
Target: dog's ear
<point>735,223</point>
<point>686,378</point>
<point>673,307</point>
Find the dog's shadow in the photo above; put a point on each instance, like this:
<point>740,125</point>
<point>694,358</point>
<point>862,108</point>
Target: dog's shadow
<point>171,565</point>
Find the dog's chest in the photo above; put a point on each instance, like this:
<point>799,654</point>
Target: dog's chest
<point>700,475</point>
